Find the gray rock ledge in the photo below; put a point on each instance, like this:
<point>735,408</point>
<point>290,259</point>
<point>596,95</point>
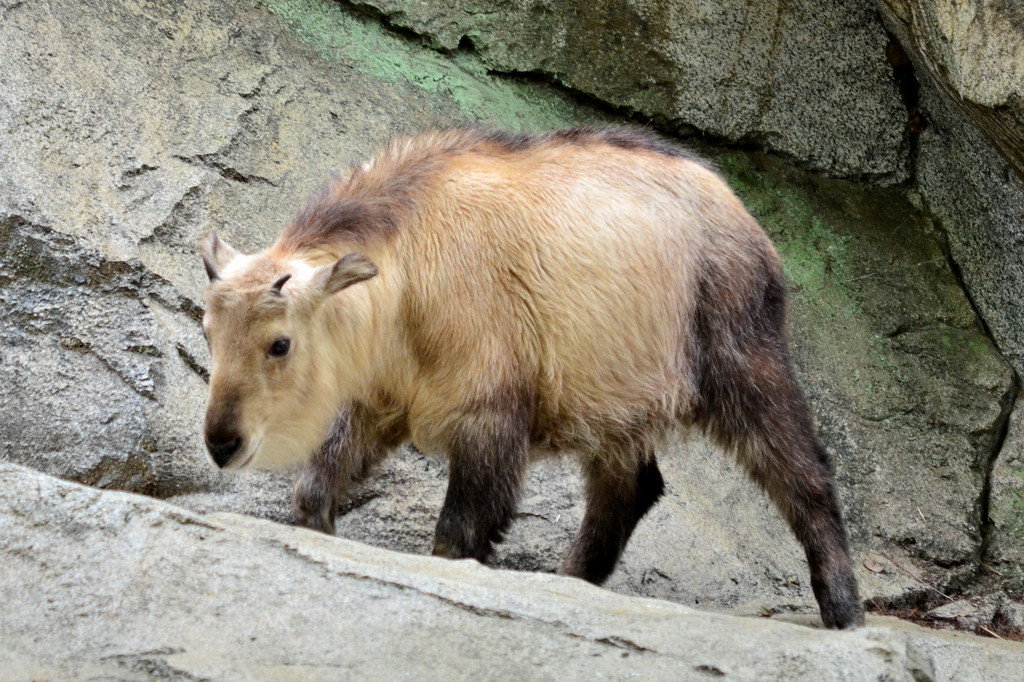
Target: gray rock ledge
<point>101,584</point>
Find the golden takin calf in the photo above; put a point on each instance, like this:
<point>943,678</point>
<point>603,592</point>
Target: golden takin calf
<point>488,295</point>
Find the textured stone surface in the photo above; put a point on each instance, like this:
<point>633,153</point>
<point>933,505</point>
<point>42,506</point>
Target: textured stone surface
<point>808,79</point>
<point>94,356</point>
<point>968,59</point>
<point>106,584</point>
<point>973,50</point>
<point>1006,546</point>
<point>980,202</point>
<point>969,63</point>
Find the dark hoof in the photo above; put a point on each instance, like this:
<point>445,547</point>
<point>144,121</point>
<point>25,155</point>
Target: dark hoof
<point>841,609</point>
<point>313,508</point>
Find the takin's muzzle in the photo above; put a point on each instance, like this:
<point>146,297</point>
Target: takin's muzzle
<point>221,432</point>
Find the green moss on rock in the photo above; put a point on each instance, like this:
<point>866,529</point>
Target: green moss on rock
<point>459,80</point>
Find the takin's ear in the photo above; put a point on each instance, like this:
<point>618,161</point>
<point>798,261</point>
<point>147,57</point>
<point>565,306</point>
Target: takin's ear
<point>216,254</point>
<point>351,269</point>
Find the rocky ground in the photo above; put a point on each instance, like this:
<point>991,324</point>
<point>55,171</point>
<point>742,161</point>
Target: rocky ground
<point>109,585</point>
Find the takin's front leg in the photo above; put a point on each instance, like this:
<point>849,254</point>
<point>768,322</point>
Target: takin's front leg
<point>488,456</point>
<point>346,456</point>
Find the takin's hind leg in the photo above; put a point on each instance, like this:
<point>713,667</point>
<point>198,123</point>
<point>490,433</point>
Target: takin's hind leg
<point>488,456</point>
<point>799,481</point>
<point>346,456</point>
<point>617,499</point>
<point>763,415</point>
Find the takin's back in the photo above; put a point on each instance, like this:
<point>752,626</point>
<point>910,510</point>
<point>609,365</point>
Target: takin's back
<point>568,266</point>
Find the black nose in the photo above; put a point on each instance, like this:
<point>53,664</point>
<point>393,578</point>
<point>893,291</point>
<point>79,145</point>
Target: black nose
<point>223,449</point>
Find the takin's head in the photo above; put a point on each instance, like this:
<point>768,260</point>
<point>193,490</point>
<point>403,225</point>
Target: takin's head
<point>273,343</point>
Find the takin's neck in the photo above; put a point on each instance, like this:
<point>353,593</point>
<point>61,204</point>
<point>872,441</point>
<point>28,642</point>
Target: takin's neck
<point>367,350</point>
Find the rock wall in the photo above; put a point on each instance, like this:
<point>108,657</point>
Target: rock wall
<point>127,130</point>
<point>968,61</point>
<point>972,52</point>
<point>807,79</point>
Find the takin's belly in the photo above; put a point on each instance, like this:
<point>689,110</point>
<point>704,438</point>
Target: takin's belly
<point>609,410</point>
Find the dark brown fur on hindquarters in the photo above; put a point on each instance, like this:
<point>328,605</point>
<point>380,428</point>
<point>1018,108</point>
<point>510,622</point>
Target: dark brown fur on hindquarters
<point>751,403</point>
<point>616,501</point>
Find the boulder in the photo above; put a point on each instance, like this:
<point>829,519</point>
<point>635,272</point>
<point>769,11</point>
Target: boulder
<point>973,53</point>
<point>114,585</point>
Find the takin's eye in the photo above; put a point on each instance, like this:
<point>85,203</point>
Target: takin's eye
<point>279,348</point>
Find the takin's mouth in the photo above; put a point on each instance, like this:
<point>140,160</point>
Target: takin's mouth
<point>240,462</point>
